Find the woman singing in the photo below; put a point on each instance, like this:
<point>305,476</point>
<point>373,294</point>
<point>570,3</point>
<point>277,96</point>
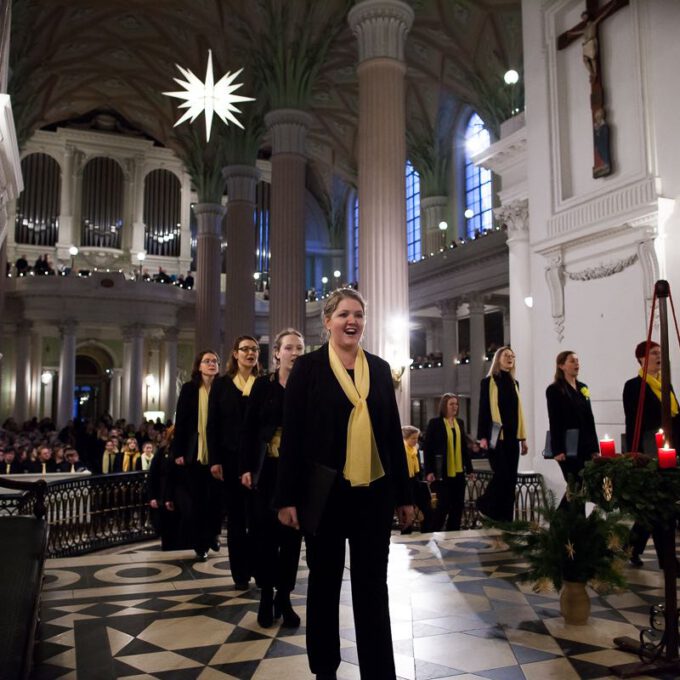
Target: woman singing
<point>197,494</point>
<point>228,400</point>
<point>342,470</point>
<point>447,460</point>
<point>500,430</point>
<point>276,548</point>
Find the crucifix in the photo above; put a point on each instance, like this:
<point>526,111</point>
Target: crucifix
<point>588,31</point>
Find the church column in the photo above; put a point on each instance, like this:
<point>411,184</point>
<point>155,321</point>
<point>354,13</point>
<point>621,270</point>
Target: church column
<point>116,393</point>
<point>169,378</point>
<point>477,355</point>
<point>133,372</point>
<point>380,27</point>
<point>22,361</point>
<point>66,237</point>
<point>515,216</point>
<point>239,308</point>
<point>434,209</point>
<point>449,312</point>
<point>3,277</point>
<point>288,128</point>
<point>35,375</point>
<point>67,371</point>
<point>208,271</point>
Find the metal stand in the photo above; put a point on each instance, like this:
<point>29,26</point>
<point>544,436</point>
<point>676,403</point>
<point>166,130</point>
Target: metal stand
<point>658,647</point>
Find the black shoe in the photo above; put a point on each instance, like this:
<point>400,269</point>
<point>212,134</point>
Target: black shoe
<point>265,612</point>
<point>201,556</point>
<point>215,545</point>
<point>635,561</point>
<point>283,607</point>
<point>241,585</point>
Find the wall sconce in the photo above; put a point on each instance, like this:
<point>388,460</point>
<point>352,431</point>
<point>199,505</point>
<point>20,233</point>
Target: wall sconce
<point>398,372</point>
<point>46,377</point>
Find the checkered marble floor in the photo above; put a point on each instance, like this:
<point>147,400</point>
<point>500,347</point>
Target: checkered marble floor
<point>457,612</point>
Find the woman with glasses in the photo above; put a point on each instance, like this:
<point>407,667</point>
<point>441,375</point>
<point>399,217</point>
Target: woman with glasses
<point>197,493</point>
<point>501,432</point>
<point>342,471</point>
<point>228,400</point>
<point>276,548</point>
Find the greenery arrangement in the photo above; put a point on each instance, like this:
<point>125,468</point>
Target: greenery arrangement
<point>633,484</point>
<point>567,546</point>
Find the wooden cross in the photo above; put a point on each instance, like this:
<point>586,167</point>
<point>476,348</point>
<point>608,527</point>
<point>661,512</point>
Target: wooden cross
<point>588,31</point>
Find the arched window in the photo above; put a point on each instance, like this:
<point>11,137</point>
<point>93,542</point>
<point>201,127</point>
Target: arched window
<point>478,216</point>
<point>162,213</point>
<point>412,213</point>
<point>37,219</point>
<point>102,203</point>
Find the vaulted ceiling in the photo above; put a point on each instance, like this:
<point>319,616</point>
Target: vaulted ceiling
<point>72,57</point>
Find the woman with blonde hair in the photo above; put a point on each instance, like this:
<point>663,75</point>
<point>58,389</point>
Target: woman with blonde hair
<point>501,432</point>
<point>342,470</point>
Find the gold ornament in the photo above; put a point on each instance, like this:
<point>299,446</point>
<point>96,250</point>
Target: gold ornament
<point>607,489</point>
<point>569,547</point>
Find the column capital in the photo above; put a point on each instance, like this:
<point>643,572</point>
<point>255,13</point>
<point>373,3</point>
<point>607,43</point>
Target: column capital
<point>67,327</point>
<point>171,334</point>
<point>515,216</point>
<point>209,218</point>
<point>448,308</point>
<point>241,182</point>
<point>132,332</point>
<point>288,129</point>
<point>476,303</point>
<point>381,27</point>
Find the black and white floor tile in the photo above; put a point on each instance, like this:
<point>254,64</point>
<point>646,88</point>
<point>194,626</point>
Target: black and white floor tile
<point>457,612</point>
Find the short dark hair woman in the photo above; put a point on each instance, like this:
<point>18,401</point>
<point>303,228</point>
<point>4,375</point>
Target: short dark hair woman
<point>501,431</point>
<point>569,408</point>
<point>447,460</point>
<point>197,494</point>
<point>276,547</point>
<point>342,469</point>
<point>228,400</point>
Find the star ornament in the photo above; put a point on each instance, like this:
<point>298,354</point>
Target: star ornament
<point>209,97</point>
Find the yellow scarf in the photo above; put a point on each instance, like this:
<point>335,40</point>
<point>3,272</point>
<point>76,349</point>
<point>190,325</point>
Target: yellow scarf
<point>362,464</point>
<point>412,460</point>
<point>496,413</point>
<point>244,385</point>
<point>655,386</point>
<point>454,452</point>
<point>130,460</point>
<point>202,425</point>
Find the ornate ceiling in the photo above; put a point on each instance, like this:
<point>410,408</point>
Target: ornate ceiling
<point>72,57</point>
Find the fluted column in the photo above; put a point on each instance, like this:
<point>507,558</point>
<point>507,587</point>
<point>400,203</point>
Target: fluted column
<point>67,236</point>
<point>288,128</point>
<point>239,308</point>
<point>67,371</point>
<point>515,216</point>
<point>116,393</point>
<point>477,355</point>
<point>380,27</point>
<point>133,368</point>
<point>35,375</point>
<point>22,389</point>
<point>208,271</point>
<point>434,210</point>
<point>449,312</point>
<point>169,377</point>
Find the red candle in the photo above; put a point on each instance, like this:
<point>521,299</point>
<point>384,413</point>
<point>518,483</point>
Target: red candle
<point>660,439</point>
<point>667,458</point>
<point>607,447</point>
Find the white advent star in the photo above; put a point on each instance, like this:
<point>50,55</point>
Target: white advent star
<point>209,97</point>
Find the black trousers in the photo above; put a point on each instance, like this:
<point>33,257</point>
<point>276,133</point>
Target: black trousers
<point>571,470</point>
<point>198,496</point>
<point>450,502</point>
<point>364,517</point>
<point>498,501</point>
<point>276,548</point>
<point>239,542</point>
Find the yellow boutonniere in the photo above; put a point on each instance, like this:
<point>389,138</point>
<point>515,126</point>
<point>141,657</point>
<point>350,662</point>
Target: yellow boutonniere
<point>585,392</point>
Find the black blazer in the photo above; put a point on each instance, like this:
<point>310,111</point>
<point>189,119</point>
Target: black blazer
<point>651,416</point>
<point>568,409</point>
<point>226,409</point>
<point>264,414</point>
<point>435,445</point>
<point>315,416</point>
<point>185,443</point>
<point>509,420</point>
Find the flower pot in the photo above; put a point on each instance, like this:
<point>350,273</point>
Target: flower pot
<point>574,603</point>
